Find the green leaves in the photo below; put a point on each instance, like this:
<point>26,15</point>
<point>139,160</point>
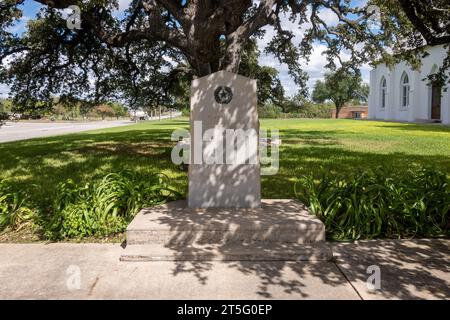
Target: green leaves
<point>105,206</point>
<point>340,87</point>
<point>379,203</point>
<point>14,212</point>
<point>3,117</point>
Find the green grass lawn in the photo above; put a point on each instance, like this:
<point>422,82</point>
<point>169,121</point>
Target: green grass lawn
<point>38,165</point>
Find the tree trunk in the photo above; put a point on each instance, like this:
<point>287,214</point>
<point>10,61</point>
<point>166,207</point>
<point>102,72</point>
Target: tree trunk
<point>203,69</point>
<point>232,58</point>
<point>159,113</point>
<point>338,110</point>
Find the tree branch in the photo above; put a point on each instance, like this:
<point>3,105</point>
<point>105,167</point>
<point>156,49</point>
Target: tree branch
<point>411,12</point>
<point>263,16</point>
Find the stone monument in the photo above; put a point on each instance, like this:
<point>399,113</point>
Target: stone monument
<point>224,218</point>
<point>224,170</point>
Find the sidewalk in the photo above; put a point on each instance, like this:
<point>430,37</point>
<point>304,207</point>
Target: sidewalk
<point>418,269</point>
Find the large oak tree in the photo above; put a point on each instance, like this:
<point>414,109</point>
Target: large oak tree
<point>137,56</point>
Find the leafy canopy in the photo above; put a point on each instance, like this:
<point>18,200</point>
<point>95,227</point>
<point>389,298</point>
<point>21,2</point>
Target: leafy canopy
<point>137,57</point>
<point>340,87</point>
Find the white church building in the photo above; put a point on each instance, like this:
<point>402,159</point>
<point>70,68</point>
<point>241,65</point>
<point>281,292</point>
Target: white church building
<point>402,94</point>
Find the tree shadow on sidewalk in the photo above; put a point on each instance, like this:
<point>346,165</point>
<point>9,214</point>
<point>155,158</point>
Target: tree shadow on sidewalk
<point>409,269</point>
<point>196,238</point>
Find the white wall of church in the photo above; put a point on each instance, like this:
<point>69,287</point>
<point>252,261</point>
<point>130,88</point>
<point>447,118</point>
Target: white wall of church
<point>419,106</point>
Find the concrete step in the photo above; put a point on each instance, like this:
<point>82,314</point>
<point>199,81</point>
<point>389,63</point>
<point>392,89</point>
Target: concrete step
<point>174,224</point>
<point>320,251</point>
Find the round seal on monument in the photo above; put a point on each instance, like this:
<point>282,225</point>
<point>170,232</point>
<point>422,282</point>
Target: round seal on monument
<point>223,95</point>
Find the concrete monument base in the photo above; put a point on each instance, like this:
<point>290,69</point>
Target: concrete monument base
<point>278,230</point>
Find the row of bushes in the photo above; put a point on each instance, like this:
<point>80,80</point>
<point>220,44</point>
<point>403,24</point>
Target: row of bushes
<point>308,110</point>
<point>368,204</point>
<point>379,203</point>
<point>101,208</point>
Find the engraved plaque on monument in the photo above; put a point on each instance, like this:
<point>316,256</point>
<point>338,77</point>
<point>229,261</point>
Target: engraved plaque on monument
<point>224,171</point>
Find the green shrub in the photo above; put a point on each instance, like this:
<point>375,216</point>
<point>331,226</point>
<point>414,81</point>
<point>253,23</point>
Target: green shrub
<point>311,110</point>
<point>269,111</point>
<point>185,112</point>
<point>105,206</point>
<point>307,110</point>
<point>379,203</point>
<point>14,212</point>
<point>3,117</point>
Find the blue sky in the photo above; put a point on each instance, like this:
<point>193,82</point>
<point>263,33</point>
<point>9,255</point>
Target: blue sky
<point>315,67</point>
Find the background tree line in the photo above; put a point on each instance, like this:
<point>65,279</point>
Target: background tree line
<point>140,57</point>
<point>66,110</point>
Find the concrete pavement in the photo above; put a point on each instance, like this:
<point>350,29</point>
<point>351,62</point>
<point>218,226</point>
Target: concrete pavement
<point>409,269</point>
<point>418,269</point>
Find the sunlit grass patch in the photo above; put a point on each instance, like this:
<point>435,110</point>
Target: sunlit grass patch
<point>37,166</point>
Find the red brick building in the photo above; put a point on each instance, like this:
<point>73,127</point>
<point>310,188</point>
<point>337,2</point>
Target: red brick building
<point>352,112</point>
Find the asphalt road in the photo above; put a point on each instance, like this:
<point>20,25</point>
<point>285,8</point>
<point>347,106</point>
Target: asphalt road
<point>28,130</point>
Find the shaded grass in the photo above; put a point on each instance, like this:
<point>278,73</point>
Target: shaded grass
<point>38,165</point>
<point>347,146</point>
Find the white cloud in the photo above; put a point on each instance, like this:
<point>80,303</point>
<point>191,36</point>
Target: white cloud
<point>315,67</point>
<point>124,4</point>
<point>329,17</point>
<point>4,91</point>
<point>19,26</point>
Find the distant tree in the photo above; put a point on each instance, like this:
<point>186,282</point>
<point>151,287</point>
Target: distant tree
<point>69,107</point>
<point>119,109</point>
<point>364,93</point>
<point>2,107</point>
<point>3,117</point>
<point>59,110</point>
<point>295,103</point>
<point>320,93</point>
<point>85,108</point>
<point>5,105</point>
<point>104,111</point>
<point>3,112</point>
<point>179,90</point>
<point>269,86</point>
<point>340,87</point>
